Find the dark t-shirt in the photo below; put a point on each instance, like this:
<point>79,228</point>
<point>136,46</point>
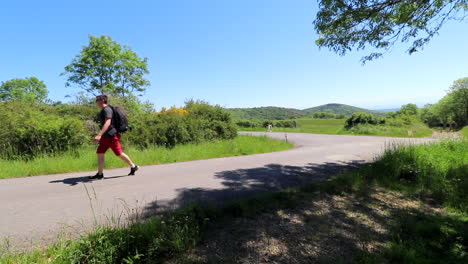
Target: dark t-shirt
<point>106,113</point>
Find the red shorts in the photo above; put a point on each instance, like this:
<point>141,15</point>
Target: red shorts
<point>112,143</point>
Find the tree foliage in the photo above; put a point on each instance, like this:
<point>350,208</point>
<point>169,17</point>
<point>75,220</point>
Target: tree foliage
<point>345,25</point>
<point>409,109</point>
<point>32,130</point>
<point>459,93</point>
<point>27,89</point>
<point>452,107</point>
<point>106,67</point>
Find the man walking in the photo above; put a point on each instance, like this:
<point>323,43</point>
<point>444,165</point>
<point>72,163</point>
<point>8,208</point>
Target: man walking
<point>107,138</point>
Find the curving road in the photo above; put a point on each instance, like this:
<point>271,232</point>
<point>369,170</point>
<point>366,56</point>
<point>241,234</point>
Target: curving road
<point>34,210</point>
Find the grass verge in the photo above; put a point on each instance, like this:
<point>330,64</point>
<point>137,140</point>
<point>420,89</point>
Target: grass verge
<point>361,215</point>
<point>85,158</point>
<point>417,130</point>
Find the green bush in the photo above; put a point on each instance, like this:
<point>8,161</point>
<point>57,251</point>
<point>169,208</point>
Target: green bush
<point>31,130</point>
<point>202,122</point>
<point>248,123</point>
<point>328,115</point>
<point>363,118</point>
<point>285,123</point>
<point>278,123</point>
<point>28,132</point>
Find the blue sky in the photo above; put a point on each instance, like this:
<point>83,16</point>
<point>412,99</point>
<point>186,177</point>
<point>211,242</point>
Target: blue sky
<point>233,53</point>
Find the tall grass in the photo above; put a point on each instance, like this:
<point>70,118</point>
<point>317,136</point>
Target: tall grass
<point>435,170</point>
<point>151,241</point>
<point>464,132</point>
<point>84,159</point>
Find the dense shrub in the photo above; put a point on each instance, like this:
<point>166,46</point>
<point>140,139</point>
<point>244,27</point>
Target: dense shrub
<point>363,118</point>
<point>285,123</point>
<point>249,123</point>
<point>276,123</point>
<point>82,112</point>
<point>27,131</point>
<point>327,115</point>
<point>197,122</point>
<point>31,130</point>
<point>214,120</point>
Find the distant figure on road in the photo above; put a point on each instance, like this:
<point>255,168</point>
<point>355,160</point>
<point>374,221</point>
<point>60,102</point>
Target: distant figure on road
<point>269,126</point>
<point>453,126</point>
<point>107,138</point>
<point>447,127</point>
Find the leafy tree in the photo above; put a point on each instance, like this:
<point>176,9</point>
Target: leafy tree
<point>444,108</point>
<point>363,118</point>
<point>106,67</point>
<point>429,115</point>
<point>452,107</point>
<point>459,93</point>
<point>345,25</point>
<point>28,89</point>
<point>408,109</point>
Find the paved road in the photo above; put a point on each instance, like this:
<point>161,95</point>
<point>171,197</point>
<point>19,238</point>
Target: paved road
<point>34,209</point>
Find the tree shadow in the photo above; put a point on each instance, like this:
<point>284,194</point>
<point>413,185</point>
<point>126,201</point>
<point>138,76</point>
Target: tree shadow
<point>75,180</point>
<point>245,183</point>
<point>329,228</point>
<point>319,227</point>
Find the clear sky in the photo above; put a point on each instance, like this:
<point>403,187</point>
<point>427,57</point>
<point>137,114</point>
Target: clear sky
<point>242,53</point>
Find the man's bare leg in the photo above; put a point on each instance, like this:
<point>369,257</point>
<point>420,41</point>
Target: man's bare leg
<point>127,159</point>
<point>101,159</point>
<point>133,167</point>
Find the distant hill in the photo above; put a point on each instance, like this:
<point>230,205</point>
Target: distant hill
<point>280,113</point>
<point>340,109</point>
<point>265,113</point>
<point>388,110</point>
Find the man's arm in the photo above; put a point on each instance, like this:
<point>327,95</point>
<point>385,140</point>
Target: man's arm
<point>103,130</point>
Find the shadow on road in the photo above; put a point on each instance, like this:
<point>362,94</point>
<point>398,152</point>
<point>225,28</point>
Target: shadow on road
<point>75,180</point>
<point>244,183</point>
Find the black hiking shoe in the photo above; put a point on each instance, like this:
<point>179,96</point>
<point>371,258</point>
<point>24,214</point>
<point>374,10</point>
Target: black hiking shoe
<point>96,177</point>
<point>133,170</point>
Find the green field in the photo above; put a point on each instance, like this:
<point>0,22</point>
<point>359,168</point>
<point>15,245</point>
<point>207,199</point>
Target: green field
<point>314,126</point>
<point>336,127</point>
<point>84,159</point>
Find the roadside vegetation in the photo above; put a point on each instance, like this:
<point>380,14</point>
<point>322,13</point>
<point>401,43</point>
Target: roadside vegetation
<point>40,136</point>
<point>84,158</point>
<point>409,206</point>
<point>403,123</point>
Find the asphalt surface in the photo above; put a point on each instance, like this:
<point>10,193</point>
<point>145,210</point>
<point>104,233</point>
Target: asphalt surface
<point>34,210</point>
